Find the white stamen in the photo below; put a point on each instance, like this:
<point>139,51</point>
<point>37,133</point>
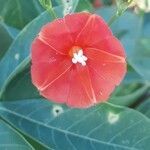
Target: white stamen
<point>84,58</point>
<point>74,60</point>
<point>80,52</point>
<point>79,57</point>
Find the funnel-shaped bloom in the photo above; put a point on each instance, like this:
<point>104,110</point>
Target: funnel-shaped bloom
<point>76,60</point>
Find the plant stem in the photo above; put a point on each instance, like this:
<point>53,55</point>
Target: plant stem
<point>47,5</point>
<point>112,19</point>
<point>52,13</point>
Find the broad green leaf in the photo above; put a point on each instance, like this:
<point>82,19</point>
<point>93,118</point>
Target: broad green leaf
<point>36,145</point>
<point>145,107</point>
<point>18,13</point>
<point>123,28</point>
<point>105,126</point>
<point>139,58</point>
<point>11,139</point>
<point>138,50</point>
<point>19,85</point>
<point>84,5</point>
<point>20,48</point>
<point>132,76</point>
<point>7,36</point>
<point>128,94</point>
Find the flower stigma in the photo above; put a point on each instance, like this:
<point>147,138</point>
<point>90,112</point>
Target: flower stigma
<point>78,57</point>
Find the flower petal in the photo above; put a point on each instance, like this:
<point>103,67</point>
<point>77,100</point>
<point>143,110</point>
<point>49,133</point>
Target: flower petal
<point>57,36</point>
<point>110,44</point>
<point>58,91</point>
<point>113,72</point>
<point>85,79</point>
<point>102,87</point>
<point>94,29</point>
<point>39,73</point>
<point>44,74</point>
<point>102,56</point>
<point>76,22</point>
<point>79,95</point>
<point>108,65</point>
<point>40,52</point>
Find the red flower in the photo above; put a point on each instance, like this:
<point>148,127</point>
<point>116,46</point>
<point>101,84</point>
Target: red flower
<point>77,60</point>
<point>97,3</point>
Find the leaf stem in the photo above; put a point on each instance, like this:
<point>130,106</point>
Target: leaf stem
<point>112,19</point>
<point>52,13</point>
<point>47,5</point>
<point>121,8</point>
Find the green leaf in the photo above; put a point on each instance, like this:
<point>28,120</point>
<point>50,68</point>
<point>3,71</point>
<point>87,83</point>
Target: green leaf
<point>35,144</point>
<point>138,50</point>
<point>132,76</point>
<point>12,140</point>
<point>123,28</point>
<point>84,5</point>
<point>7,36</point>
<point>20,48</point>
<point>145,107</point>
<point>18,13</point>
<point>122,5</point>
<point>139,58</point>
<point>20,83</point>
<point>128,94</point>
<point>58,127</point>
<point>47,4</point>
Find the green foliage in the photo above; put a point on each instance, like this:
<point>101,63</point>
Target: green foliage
<point>144,107</point>
<point>18,13</point>
<point>21,47</point>
<point>8,34</point>
<point>30,122</point>
<point>137,47</point>
<point>20,80</point>
<point>47,4</point>
<point>101,127</point>
<point>122,5</point>
<point>11,139</point>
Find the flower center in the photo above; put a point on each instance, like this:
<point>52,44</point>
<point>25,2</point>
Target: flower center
<point>77,56</point>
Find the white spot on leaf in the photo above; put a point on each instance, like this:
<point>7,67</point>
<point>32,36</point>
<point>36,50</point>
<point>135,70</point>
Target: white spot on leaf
<point>57,110</point>
<point>67,6</point>
<point>112,117</point>
<point>17,56</point>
